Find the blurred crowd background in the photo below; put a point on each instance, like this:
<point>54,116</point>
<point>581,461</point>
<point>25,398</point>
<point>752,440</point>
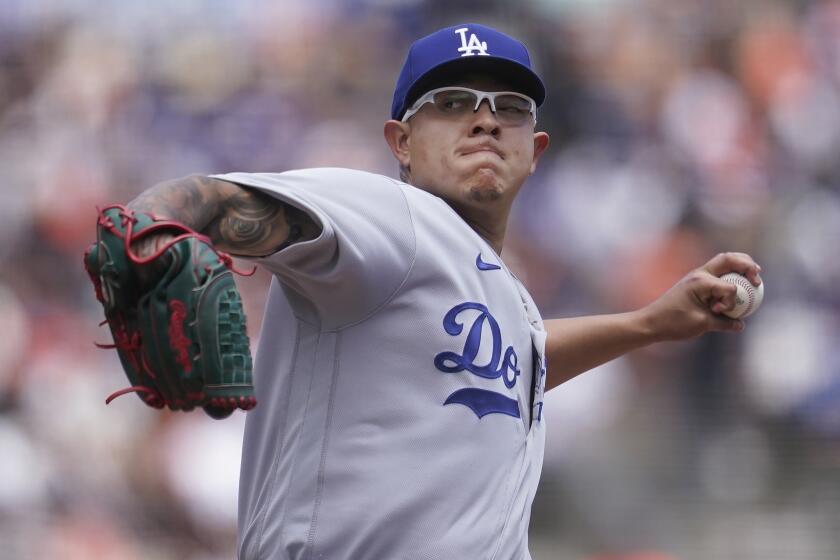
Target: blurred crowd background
<point>680,128</point>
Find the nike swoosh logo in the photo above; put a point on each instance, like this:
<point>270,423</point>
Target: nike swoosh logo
<point>481,265</point>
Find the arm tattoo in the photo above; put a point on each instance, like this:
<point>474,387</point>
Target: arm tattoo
<point>192,200</point>
<point>256,224</point>
<point>249,220</point>
<point>237,219</point>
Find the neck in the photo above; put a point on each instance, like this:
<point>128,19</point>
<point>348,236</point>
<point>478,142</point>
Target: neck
<point>491,225</point>
<point>489,220</point>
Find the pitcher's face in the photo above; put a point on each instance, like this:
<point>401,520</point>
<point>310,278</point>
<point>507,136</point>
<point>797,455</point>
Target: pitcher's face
<point>472,157</point>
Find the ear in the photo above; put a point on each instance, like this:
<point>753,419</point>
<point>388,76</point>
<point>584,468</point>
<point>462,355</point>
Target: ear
<point>541,142</point>
<point>397,135</point>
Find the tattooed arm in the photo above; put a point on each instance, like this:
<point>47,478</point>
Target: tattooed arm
<point>237,219</point>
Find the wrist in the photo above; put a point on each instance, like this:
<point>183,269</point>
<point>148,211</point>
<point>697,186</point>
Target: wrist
<point>648,328</point>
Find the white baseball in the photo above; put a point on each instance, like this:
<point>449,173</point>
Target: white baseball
<point>747,298</point>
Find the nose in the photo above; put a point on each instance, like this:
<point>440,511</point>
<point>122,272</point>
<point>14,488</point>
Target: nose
<point>484,121</point>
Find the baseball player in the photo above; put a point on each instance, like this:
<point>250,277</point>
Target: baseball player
<point>401,365</point>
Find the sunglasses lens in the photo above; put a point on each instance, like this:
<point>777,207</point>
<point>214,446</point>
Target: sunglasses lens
<point>454,102</point>
<point>513,109</point>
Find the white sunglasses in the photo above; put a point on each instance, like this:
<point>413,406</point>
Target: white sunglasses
<point>510,108</point>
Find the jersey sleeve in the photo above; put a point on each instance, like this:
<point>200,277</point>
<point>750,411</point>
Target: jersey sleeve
<point>364,252</point>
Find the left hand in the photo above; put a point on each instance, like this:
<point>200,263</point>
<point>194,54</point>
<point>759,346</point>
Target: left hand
<point>695,304</point>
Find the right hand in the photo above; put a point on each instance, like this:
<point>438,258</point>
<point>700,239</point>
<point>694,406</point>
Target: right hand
<point>164,288</point>
<point>144,248</point>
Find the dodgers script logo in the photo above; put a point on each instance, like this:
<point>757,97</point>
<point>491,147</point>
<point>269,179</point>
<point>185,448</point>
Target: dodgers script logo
<point>504,366</point>
<point>474,44</point>
<point>539,389</point>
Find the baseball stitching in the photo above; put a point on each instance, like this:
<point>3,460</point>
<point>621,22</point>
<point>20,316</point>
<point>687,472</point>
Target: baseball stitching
<point>750,289</point>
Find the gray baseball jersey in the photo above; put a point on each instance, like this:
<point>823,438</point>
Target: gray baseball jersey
<point>399,374</point>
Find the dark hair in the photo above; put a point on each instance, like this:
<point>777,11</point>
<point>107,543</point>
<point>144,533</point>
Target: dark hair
<point>405,174</point>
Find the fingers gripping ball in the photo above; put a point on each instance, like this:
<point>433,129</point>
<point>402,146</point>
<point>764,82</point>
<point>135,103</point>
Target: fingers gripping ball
<point>176,316</point>
<point>747,298</point>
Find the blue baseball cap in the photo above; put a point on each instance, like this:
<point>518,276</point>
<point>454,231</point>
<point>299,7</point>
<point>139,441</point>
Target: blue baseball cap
<point>442,57</point>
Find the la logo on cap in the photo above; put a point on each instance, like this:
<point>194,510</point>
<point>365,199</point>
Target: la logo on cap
<point>474,44</point>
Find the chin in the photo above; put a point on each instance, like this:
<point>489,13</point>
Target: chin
<point>485,186</point>
<point>485,193</point>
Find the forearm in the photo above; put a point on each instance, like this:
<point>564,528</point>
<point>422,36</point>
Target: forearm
<point>192,201</point>
<point>578,344</point>
<point>236,219</point>
<point>691,307</point>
